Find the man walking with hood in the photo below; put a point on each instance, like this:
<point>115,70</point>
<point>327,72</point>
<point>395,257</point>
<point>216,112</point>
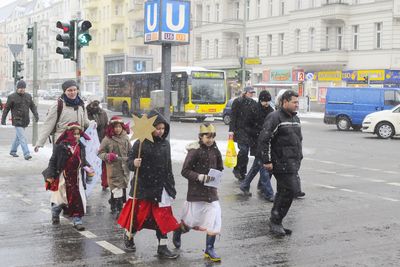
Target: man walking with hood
<point>20,103</point>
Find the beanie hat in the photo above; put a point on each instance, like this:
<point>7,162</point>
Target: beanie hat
<point>264,96</point>
<point>21,84</point>
<point>116,119</point>
<point>68,84</point>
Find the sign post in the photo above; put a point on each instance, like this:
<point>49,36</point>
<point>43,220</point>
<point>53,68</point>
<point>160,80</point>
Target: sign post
<point>166,23</point>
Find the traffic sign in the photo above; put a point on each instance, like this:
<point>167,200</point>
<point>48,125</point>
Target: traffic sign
<point>252,61</point>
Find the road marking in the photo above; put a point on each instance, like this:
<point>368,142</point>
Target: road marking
<point>27,201</point>
<point>45,211</point>
<point>88,234</point>
<point>395,184</point>
<point>376,180</point>
<point>17,195</point>
<point>110,247</point>
<point>326,186</point>
<point>390,199</point>
<point>347,175</point>
<point>370,169</point>
<point>327,162</point>
<point>347,190</point>
<point>329,172</point>
<point>390,172</point>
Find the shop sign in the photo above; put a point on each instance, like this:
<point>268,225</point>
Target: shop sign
<point>281,75</point>
<point>349,75</point>
<point>392,76</point>
<point>374,75</point>
<point>330,75</point>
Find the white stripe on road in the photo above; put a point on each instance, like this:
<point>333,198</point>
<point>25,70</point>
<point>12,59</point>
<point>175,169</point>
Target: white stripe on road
<point>27,201</point>
<point>376,180</point>
<point>390,199</point>
<point>347,190</point>
<point>347,175</point>
<point>326,186</point>
<point>391,172</point>
<point>45,211</point>
<point>110,247</point>
<point>323,171</point>
<point>327,162</point>
<point>370,169</point>
<point>395,184</point>
<point>88,234</point>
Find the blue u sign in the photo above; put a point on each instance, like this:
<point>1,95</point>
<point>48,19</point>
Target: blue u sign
<point>167,21</point>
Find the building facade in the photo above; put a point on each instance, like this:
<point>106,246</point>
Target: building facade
<point>317,43</point>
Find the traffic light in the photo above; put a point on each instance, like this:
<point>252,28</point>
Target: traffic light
<point>29,33</point>
<point>17,69</point>
<point>67,37</point>
<point>83,35</point>
<point>239,75</point>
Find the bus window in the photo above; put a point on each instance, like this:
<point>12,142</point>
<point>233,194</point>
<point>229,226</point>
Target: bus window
<point>208,91</point>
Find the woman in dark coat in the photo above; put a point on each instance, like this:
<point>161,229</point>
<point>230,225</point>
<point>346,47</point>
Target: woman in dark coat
<point>156,189</point>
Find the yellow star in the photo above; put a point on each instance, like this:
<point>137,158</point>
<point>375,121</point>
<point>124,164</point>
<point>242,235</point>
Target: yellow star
<point>143,127</point>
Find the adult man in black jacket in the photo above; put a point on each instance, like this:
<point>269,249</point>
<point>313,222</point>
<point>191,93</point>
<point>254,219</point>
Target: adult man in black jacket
<point>280,144</point>
<point>19,103</point>
<point>241,127</point>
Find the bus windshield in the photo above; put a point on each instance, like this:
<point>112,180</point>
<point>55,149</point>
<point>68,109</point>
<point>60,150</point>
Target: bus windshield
<point>208,91</point>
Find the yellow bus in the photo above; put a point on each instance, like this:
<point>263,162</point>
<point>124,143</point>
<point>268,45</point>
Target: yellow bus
<point>200,92</point>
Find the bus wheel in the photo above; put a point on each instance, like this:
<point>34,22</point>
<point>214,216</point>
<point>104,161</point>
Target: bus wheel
<point>125,109</point>
<point>200,119</point>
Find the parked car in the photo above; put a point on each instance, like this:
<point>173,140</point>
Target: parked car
<point>385,123</point>
<point>347,106</point>
<point>226,113</point>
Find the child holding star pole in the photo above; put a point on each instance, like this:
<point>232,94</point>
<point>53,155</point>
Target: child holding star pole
<point>149,204</point>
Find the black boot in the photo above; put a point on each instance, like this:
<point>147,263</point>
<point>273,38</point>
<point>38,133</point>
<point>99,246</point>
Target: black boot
<point>176,238</point>
<point>129,243</point>
<point>112,203</point>
<point>162,250</point>
<point>276,228</point>
<point>210,252</point>
<point>119,202</point>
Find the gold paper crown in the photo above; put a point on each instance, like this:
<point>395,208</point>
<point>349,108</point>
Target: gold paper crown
<point>207,129</point>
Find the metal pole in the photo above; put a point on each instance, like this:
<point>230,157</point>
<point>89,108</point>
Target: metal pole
<point>166,79</point>
<point>35,82</point>
<point>244,44</point>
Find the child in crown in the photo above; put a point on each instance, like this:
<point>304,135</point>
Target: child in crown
<point>202,210</point>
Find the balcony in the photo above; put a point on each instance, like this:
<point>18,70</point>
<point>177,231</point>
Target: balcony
<point>91,4</point>
<point>117,20</point>
<point>334,12</point>
<point>117,44</point>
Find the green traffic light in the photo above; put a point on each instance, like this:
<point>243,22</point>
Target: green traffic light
<point>84,39</point>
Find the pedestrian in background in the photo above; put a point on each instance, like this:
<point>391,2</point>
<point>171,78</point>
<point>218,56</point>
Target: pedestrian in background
<point>264,184</point>
<point>241,127</point>
<point>202,210</point>
<point>280,144</point>
<point>155,189</point>
<point>69,108</point>
<point>114,152</point>
<point>64,176</point>
<point>20,103</point>
<point>97,114</point>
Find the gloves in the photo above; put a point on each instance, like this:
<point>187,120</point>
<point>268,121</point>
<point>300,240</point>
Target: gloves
<point>203,178</point>
<point>112,157</point>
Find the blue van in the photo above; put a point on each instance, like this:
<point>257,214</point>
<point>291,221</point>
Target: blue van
<point>347,106</point>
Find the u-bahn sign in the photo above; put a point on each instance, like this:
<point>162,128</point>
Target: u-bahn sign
<point>167,21</point>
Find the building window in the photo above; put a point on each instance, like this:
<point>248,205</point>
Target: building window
<point>298,4</point>
<point>312,3</point>
<point>247,9</point>
<point>237,47</point>
<point>216,48</point>
<point>217,11</point>
<point>297,41</point>
<point>339,38</point>
<point>198,48</point>
<point>237,10</point>
<point>257,46</point>
<point>208,13</point>
<point>269,45</point>
<point>311,39</point>
<point>355,2</point>
<point>258,8</point>
<point>207,49</point>
<point>282,7</point>
<point>247,46</point>
<point>270,5</point>
<point>378,35</point>
<point>327,38</point>
<point>281,43</point>
<point>355,37</point>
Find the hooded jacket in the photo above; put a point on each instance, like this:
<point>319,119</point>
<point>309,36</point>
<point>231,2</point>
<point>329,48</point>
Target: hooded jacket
<point>155,172</point>
<point>199,160</point>
<point>19,104</point>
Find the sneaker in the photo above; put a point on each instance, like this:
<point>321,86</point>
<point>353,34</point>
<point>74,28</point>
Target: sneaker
<point>129,243</point>
<point>245,191</point>
<point>55,220</point>
<point>164,253</point>
<point>276,229</point>
<point>300,194</point>
<point>238,175</point>
<point>287,231</point>
<point>28,157</point>
<point>269,199</point>
<point>15,155</point>
<point>79,227</point>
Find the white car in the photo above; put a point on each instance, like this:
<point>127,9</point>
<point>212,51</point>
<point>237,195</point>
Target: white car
<point>385,123</point>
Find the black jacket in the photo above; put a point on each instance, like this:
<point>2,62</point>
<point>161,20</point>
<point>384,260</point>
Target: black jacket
<point>19,106</point>
<point>243,111</point>
<point>280,142</point>
<point>258,122</point>
<point>155,172</point>
<point>59,158</point>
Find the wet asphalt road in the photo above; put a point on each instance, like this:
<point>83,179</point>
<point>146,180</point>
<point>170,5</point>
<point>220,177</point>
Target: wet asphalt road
<point>349,216</point>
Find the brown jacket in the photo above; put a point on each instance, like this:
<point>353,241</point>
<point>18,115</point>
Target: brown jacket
<point>199,160</point>
<point>119,145</point>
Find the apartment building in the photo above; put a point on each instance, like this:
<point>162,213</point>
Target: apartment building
<point>323,42</point>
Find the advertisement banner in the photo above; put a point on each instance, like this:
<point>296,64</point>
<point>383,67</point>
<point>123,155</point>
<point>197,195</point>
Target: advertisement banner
<point>322,95</point>
<point>330,75</point>
<point>281,75</point>
<point>374,75</point>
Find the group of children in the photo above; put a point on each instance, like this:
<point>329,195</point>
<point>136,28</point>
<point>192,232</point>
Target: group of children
<point>155,187</point>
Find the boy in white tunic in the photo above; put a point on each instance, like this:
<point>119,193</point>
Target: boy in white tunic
<point>202,210</point>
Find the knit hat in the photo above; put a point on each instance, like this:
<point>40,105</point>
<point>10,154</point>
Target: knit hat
<point>110,127</point>
<point>116,119</point>
<point>68,84</point>
<point>68,134</point>
<point>21,84</point>
<point>207,128</point>
<point>264,96</point>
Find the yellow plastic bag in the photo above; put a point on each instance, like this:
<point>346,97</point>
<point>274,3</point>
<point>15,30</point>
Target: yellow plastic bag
<point>231,155</point>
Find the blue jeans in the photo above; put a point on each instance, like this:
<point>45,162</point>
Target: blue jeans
<point>56,210</point>
<point>265,178</point>
<point>20,140</point>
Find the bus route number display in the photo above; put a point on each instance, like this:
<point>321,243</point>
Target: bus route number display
<point>207,75</point>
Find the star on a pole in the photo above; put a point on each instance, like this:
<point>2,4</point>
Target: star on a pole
<point>143,127</point>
